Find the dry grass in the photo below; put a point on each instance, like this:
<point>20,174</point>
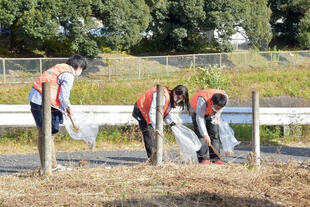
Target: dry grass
<point>166,185</point>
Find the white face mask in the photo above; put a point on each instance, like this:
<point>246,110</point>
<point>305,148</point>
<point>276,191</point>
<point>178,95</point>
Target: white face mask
<point>215,110</point>
<point>178,101</point>
<point>78,73</point>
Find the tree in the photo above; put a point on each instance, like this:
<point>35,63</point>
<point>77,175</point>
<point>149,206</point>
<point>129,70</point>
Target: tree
<point>285,19</point>
<point>77,19</point>
<point>185,25</point>
<point>124,21</point>
<point>29,21</point>
<point>303,35</point>
<point>175,23</point>
<point>256,24</point>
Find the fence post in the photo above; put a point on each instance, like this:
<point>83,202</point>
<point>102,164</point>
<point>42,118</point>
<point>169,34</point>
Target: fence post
<point>158,157</point>
<point>139,68</point>
<point>3,66</point>
<point>47,126</point>
<point>167,63</point>
<point>220,60</point>
<point>255,127</point>
<point>109,72</point>
<point>194,62</point>
<point>40,65</point>
<point>271,60</point>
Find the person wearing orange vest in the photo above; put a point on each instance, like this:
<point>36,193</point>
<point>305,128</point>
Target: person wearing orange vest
<point>207,105</point>
<point>145,109</point>
<point>61,78</point>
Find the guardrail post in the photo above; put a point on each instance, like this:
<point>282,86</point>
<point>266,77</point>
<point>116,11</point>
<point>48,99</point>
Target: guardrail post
<point>285,130</point>
<point>158,157</point>
<point>255,128</point>
<point>47,126</point>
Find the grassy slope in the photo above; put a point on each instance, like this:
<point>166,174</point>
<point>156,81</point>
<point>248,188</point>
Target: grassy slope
<point>239,84</point>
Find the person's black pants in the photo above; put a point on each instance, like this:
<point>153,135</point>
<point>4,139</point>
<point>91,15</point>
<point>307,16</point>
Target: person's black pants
<point>213,131</point>
<point>147,131</point>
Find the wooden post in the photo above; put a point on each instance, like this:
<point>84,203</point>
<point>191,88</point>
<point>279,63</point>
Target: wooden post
<point>158,157</point>
<point>255,128</point>
<point>47,126</point>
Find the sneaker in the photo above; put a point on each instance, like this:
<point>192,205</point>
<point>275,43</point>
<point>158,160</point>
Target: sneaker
<point>205,162</point>
<point>219,162</point>
<point>61,168</point>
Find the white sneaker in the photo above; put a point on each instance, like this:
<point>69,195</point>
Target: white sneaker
<point>61,168</point>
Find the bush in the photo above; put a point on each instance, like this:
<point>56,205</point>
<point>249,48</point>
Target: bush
<point>210,77</point>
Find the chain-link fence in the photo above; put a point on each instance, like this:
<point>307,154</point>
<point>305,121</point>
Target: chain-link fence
<point>23,70</point>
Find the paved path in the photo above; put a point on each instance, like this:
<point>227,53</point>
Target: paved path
<point>10,164</point>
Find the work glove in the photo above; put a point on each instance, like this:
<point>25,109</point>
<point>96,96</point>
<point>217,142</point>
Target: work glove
<point>172,124</point>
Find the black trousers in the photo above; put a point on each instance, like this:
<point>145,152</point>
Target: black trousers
<point>147,131</point>
<point>206,152</point>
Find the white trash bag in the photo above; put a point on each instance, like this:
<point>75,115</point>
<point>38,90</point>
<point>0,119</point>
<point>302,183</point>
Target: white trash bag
<point>227,137</point>
<point>85,128</point>
<point>188,142</point>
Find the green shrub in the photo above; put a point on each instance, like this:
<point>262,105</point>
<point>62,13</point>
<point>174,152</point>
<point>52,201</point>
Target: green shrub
<point>210,77</point>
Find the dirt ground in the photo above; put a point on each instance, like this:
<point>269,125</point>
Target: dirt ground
<point>165,185</point>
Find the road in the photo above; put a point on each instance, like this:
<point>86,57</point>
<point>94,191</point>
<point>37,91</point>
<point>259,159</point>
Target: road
<point>10,164</point>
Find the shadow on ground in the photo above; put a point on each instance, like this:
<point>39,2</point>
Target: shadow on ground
<point>202,199</point>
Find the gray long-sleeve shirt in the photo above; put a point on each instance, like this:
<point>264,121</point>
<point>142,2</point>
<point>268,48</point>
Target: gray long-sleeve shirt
<point>200,114</point>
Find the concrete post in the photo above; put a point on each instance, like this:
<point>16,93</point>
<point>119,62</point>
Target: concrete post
<point>158,158</point>
<point>255,127</point>
<point>47,126</point>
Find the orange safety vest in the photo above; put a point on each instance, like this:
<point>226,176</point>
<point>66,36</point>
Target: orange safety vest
<point>145,101</point>
<point>207,95</point>
<point>51,76</point>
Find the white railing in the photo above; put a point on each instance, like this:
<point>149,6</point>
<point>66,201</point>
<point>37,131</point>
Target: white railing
<point>20,115</point>
<point>24,70</point>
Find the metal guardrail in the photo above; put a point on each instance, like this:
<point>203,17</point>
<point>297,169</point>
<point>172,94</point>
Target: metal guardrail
<point>24,70</point>
<point>20,115</point>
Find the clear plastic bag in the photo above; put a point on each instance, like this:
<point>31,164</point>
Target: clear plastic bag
<point>85,128</point>
<point>227,137</point>
<point>188,142</point>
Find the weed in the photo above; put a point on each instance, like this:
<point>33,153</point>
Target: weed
<point>209,77</point>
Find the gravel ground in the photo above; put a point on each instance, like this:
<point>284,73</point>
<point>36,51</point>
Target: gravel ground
<point>10,164</point>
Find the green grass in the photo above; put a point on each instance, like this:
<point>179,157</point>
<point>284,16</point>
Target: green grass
<point>238,84</point>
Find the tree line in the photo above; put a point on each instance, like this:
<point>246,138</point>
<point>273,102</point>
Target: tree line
<point>60,27</point>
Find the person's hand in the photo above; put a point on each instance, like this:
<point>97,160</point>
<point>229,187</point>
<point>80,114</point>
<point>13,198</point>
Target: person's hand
<point>68,111</point>
<point>207,140</point>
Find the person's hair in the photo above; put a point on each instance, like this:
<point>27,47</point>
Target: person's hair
<point>219,99</point>
<point>77,61</point>
<point>181,90</point>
